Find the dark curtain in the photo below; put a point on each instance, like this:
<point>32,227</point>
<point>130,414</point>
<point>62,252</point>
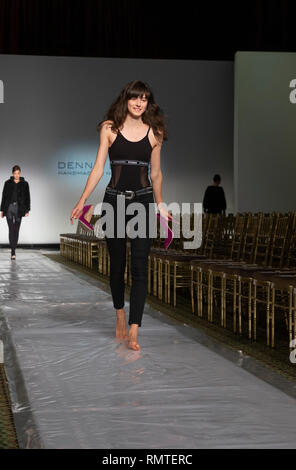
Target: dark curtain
<point>151,29</point>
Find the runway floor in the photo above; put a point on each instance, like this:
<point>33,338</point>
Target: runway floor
<point>73,385</point>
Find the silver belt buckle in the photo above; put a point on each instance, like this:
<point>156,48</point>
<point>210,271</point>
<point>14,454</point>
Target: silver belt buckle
<point>129,191</point>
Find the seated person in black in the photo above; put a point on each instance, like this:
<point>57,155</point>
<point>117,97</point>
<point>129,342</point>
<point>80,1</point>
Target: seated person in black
<point>214,201</point>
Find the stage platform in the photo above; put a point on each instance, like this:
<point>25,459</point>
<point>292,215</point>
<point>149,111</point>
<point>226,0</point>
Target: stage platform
<point>73,385</point>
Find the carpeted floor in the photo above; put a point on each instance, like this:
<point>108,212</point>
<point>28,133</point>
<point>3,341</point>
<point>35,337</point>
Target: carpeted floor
<point>8,438</point>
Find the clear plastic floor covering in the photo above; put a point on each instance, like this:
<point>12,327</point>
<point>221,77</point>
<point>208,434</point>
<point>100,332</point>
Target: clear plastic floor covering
<point>73,385</point>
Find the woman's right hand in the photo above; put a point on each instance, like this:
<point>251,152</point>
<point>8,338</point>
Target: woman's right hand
<point>77,211</point>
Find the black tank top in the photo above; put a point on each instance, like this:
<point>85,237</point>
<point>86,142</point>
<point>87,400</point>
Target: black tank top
<point>130,176</point>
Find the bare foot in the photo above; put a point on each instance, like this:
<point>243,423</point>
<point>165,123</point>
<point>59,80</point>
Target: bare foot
<point>133,337</point>
<point>121,331</point>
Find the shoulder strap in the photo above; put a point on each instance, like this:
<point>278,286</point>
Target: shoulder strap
<point>148,130</point>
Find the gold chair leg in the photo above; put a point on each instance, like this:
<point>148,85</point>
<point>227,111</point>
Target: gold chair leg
<point>155,267</point>
<point>160,283</point>
<point>223,301</point>
<point>290,313</point>
<point>272,315</point>
<point>254,309</point>
<point>234,303</point>
<point>294,314</point>
<point>149,275</point>
<point>165,281</point>
<point>200,292</point>
<point>210,296</point>
<point>268,314</point>
<point>175,284</point>
<point>250,309</point>
<point>240,306</point>
<point>169,283</point>
<point>191,289</point>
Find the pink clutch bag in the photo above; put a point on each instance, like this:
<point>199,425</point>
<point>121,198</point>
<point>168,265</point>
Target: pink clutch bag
<point>170,236</point>
<point>86,216</point>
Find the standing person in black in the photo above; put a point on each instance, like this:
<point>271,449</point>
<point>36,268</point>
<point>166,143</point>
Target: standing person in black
<point>214,201</point>
<point>132,133</point>
<point>15,204</point>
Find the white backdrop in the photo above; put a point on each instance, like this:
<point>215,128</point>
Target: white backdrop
<point>265,131</point>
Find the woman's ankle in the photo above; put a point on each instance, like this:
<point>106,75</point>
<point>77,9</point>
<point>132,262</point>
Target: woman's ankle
<point>121,316</point>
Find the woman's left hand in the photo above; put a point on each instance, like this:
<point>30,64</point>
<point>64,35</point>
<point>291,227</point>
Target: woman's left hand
<point>164,213</point>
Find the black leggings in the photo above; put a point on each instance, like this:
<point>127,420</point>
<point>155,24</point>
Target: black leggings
<point>140,248</point>
<point>14,223</point>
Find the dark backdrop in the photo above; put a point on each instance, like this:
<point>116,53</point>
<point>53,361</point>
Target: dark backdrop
<point>146,29</point>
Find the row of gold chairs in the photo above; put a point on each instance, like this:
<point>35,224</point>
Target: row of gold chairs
<point>255,279</point>
<point>243,294</point>
<point>250,237</point>
<point>244,267</point>
<point>264,239</point>
<point>267,239</point>
<point>79,248</point>
<point>224,274</point>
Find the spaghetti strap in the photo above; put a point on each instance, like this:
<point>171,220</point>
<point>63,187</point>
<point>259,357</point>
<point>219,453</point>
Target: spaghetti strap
<point>148,131</point>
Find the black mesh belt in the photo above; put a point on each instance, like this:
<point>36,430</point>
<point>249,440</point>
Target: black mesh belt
<point>129,162</point>
<point>128,193</point>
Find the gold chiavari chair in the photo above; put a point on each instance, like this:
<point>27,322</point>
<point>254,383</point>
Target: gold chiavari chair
<point>156,259</point>
<point>203,276</point>
<point>263,239</point>
<point>238,236</point>
<point>159,268</point>
<point>220,242</point>
<point>103,257</point>
<point>63,244</point>
<point>268,288</point>
<point>70,246</point>
<point>279,239</point>
<point>214,281</point>
<point>211,235</point>
<point>290,256</point>
<point>173,268</point>
<point>153,262</point>
<point>228,231</point>
<point>225,292</point>
<point>91,250</point>
<point>209,283</point>
<point>242,279</point>
<point>249,241</point>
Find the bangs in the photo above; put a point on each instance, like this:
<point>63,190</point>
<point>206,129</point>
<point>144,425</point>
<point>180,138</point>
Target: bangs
<point>139,89</point>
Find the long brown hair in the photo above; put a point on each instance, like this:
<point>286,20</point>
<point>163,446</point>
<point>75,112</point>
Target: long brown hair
<point>153,115</point>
